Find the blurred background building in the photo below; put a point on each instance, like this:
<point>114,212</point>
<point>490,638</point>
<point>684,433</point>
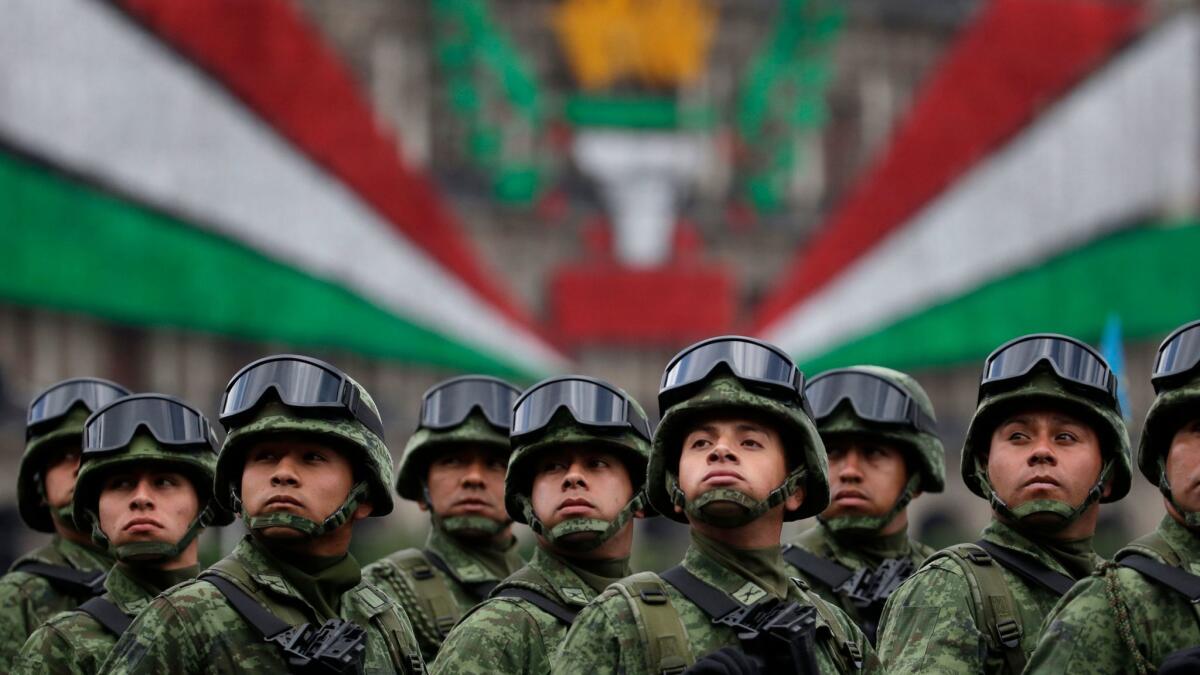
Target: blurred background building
<point>414,189</point>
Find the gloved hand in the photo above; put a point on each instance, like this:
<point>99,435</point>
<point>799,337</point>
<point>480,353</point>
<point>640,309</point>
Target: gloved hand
<point>724,661</point>
<point>1182,662</point>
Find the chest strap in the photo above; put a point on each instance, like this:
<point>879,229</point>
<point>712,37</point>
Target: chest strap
<point>263,621</point>
<point>552,607</point>
<point>1028,568</point>
<point>826,571</point>
<point>478,590</point>
<point>1182,582</point>
<point>107,614</point>
<point>67,579</point>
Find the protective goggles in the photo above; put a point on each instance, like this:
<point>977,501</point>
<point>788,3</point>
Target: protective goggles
<point>873,398</point>
<point>447,404</point>
<point>54,403</point>
<point>590,401</point>
<point>1071,359</point>
<point>749,360</point>
<point>1178,354</point>
<point>170,421</point>
<point>299,382</point>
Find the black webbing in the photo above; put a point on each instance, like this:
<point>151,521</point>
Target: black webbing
<point>107,614</point>
<point>478,589</point>
<point>552,607</point>
<point>254,613</point>
<point>1029,568</point>
<point>69,579</point>
<point>1174,578</point>
<point>713,601</point>
<point>826,571</point>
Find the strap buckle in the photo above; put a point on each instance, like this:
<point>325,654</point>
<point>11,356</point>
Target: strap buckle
<point>422,572</point>
<point>1009,633</point>
<point>856,655</point>
<point>978,556</point>
<point>652,596</point>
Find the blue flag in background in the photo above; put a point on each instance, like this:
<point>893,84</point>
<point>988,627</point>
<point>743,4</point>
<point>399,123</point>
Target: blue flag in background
<point>1113,351</point>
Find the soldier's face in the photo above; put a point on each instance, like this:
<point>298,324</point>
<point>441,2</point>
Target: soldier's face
<point>1043,453</point>
<point>579,482</point>
<point>59,476</point>
<point>1183,467</point>
<point>739,454</point>
<point>147,505</point>
<point>866,476</point>
<point>468,481</point>
<point>296,476</point>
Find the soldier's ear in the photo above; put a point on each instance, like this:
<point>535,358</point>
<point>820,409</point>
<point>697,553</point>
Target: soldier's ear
<point>794,500</point>
<point>422,505</point>
<point>362,511</point>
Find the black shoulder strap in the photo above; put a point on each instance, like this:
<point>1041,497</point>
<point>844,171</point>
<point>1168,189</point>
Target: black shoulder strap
<point>1029,568</point>
<point>827,572</point>
<point>68,579</point>
<point>478,589</point>
<point>1174,578</point>
<point>251,610</point>
<point>559,611</point>
<point>713,601</point>
<point>107,614</point>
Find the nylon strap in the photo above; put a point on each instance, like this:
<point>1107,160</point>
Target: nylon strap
<point>668,651</point>
<point>251,610</point>
<point>73,581</point>
<point>107,614</point>
<point>477,589</point>
<point>995,609</point>
<point>1029,568</point>
<point>827,572</point>
<point>559,611</point>
<point>713,601</point>
<point>1174,578</point>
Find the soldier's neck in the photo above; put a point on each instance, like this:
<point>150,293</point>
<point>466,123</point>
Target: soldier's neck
<point>72,535</point>
<point>760,533</point>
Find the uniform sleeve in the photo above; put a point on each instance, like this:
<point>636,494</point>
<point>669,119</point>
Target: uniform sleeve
<point>600,641</point>
<point>499,636</point>
<point>47,652</point>
<point>1081,633</point>
<point>16,622</point>
<point>928,627</point>
<point>158,641</point>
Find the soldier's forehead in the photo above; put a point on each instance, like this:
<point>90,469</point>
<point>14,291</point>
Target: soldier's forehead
<point>295,441</point>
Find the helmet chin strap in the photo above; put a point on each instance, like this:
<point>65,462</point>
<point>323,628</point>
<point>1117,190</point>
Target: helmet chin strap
<point>1191,519</point>
<point>308,528</point>
<point>464,527</point>
<point>1061,514</point>
<point>580,535</point>
<point>868,525</point>
<point>728,508</point>
<point>151,551</point>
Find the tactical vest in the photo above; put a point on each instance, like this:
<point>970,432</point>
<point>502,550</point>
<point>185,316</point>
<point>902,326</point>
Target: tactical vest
<point>862,592</point>
<point>432,592</point>
<point>668,649</point>
<point>527,584</point>
<point>991,599</point>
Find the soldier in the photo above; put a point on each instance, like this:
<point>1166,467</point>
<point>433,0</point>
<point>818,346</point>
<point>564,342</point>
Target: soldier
<point>1045,445</point>
<point>453,467</point>
<point>69,569</point>
<point>1139,615</point>
<point>879,433</point>
<point>145,489</point>
<point>735,455</point>
<point>575,477</point>
<point>303,461</point>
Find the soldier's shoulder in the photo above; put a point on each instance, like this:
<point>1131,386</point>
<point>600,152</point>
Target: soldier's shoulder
<point>71,621</point>
<point>19,582</point>
<point>191,601</point>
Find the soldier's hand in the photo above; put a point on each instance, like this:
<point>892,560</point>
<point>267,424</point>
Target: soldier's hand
<point>725,661</point>
<point>1182,662</point>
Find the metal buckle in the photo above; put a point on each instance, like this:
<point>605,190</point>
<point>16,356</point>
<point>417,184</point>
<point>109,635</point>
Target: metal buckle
<point>1009,632</point>
<point>978,556</point>
<point>422,573</point>
<point>652,596</point>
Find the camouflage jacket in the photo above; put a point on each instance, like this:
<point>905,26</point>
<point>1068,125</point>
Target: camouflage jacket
<point>512,635</point>
<point>608,637</point>
<point>931,623</point>
<point>28,600</point>
<point>193,628</point>
<point>406,576</point>
<point>74,642</point>
<point>1083,634</point>
<point>821,542</point>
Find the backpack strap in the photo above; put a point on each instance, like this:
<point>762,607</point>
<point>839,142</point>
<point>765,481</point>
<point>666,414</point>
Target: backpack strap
<point>826,571</point>
<point>991,601</point>
<point>1028,567</point>
<point>107,614</point>
<point>1182,582</point>
<point>852,652</point>
<point>552,607</point>
<point>431,590</point>
<point>267,624</point>
<point>477,589</point>
<point>668,651</point>
<point>67,579</point>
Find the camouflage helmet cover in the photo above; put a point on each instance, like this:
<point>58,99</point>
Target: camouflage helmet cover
<point>1172,408</point>
<point>426,443</point>
<point>30,500</point>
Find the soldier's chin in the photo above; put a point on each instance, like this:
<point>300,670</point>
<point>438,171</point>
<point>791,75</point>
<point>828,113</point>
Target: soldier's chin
<point>578,539</point>
<point>281,533</point>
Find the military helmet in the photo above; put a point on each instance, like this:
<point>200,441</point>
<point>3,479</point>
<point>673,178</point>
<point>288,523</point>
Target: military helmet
<point>1176,381</point>
<point>56,417</point>
<point>736,375</point>
<point>472,409</point>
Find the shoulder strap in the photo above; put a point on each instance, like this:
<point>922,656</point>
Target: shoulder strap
<point>826,571</point>
<point>552,607</point>
<point>668,650</point>
<point>1029,568</point>
<point>478,589</point>
<point>992,602</point>
<point>68,579</point>
<point>266,623</point>
<point>1152,542</point>
<point>712,601</point>
<point>1182,582</point>
<point>851,648</point>
<point>431,589</point>
<point>107,614</point>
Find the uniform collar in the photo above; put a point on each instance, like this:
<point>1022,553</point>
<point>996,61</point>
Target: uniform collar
<point>571,583</point>
<point>131,588</point>
<point>1184,542</point>
<point>1074,559</point>
<point>747,575</point>
<point>872,549</point>
<point>82,557</point>
<point>474,564</point>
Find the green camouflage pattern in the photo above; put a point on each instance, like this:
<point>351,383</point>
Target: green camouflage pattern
<point>929,624</point>
<point>470,566</point>
<point>424,444</point>
<point>1169,410</point>
<point>192,628</point>
<point>1084,633</point>
<point>511,635</point>
<point>1045,387</point>
<point>30,502</point>
<point>347,434</point>
<point>606,637</point>
<point>923,450</point>
<point>73,642</point>
<point>726,394</point>
<point>854,554</point>
<point>27,600</point>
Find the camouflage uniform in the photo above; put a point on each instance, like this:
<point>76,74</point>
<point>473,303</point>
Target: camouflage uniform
<point>934,622</point>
